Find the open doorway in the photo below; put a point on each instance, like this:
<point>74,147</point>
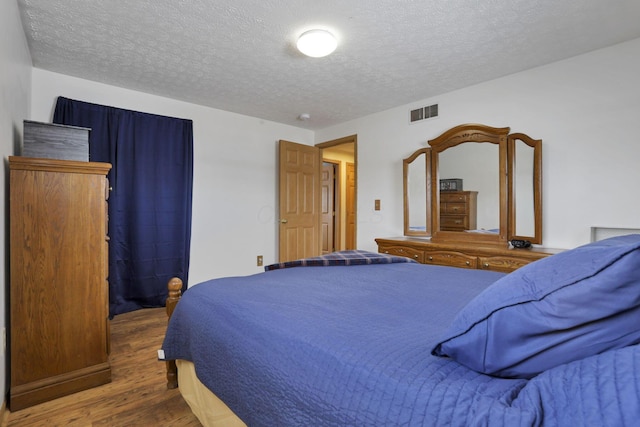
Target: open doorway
<point>339,195</point>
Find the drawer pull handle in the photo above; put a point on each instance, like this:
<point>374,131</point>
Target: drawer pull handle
<point>415,256</point>
<point>430,258</point>
<point>468,263</point>
<point>486,265</point>
<point>386,252</point>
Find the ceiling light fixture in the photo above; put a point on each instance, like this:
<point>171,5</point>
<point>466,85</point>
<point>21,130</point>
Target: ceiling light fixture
<point>317,43</point>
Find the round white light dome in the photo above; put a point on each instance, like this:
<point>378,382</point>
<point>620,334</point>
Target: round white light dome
<point>317,43</point>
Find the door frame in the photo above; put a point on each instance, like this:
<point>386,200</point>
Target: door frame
<point>336,205</point>
<point>340,141</point>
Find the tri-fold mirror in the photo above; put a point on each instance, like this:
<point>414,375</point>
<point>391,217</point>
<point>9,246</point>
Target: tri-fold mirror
<point>475,183</point>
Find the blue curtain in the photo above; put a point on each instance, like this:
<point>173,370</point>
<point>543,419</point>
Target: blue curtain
<point>150,201</point>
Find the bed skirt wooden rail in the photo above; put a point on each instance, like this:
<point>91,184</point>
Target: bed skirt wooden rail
<point>175,293</point>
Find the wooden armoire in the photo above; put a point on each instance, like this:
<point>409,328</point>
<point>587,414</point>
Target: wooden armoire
<point>59,296</point>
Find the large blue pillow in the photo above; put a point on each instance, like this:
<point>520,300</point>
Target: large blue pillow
<point>571,305</point>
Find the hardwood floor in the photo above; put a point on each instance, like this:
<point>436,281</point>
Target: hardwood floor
<point>137,395</point>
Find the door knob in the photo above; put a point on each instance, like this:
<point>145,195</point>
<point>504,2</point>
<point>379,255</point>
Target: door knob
<point>284,221</point>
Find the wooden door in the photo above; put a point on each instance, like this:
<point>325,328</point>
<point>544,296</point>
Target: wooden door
<point>299,205</point>
<point>351,207</point>
<point>328,196</point>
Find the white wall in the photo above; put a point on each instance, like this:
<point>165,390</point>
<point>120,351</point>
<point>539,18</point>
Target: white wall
<point>585,109</point>
<point>15,92</point>
<point>234,196</point>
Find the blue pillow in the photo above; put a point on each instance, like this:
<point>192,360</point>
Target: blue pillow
<point>566,307</point>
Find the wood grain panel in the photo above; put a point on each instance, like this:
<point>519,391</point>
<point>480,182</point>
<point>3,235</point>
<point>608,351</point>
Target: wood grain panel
<point>299,189</point>
<point>54,141</point>
<point>351,207</point>
<point>311,188</point>
<point>59,295</point>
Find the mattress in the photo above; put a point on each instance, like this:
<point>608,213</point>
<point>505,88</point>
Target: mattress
<point>210,410</point>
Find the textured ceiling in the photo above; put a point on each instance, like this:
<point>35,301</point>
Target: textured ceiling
<point>239,55</point>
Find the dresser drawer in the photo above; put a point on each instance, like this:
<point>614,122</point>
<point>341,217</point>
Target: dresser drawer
<point>502,263</point>
<point>454,197</point>
<point>454,222</point>
<point>452,259</point>
<point>402,251</point>
<point>453,208</point>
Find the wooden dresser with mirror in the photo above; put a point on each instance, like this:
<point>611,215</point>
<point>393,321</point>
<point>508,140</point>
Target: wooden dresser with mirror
<point>499,200</point>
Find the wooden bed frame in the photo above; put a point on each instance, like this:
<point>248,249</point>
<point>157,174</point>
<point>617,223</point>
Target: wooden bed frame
<point>175,293</point>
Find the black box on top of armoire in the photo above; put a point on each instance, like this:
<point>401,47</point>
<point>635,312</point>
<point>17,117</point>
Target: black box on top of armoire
<point>54,141</point>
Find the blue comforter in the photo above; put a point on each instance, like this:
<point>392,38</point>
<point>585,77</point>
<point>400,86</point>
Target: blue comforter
<point>350,346</point>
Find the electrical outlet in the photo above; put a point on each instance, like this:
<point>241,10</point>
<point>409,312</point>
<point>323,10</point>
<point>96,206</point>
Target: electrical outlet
<point>259,261</point>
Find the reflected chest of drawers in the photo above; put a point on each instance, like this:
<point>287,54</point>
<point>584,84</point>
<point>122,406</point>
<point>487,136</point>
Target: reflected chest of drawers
<point>458,210</point>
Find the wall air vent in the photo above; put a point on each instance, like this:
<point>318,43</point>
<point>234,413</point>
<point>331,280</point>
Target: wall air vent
<point>431,111</point>
<point>417,114</point>
<point>423,113</point>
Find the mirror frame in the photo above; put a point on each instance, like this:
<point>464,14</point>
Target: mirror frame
<point>405,171</point>
<point>470,133</point>
<point>536,144</point>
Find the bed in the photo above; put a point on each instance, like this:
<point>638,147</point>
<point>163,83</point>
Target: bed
<point>364,339</point>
